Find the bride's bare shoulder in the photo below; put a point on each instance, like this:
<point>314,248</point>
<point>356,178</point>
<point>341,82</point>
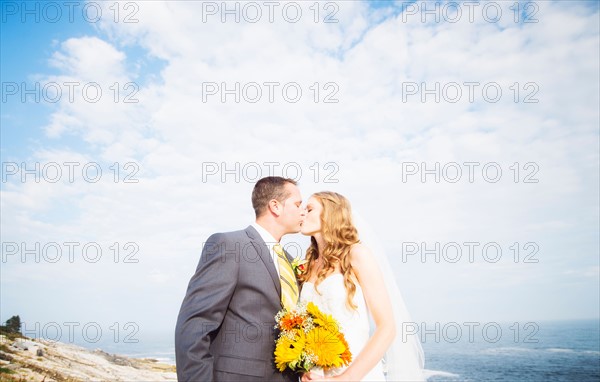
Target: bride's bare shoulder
<point>360,249</point>
<point>359,254</point>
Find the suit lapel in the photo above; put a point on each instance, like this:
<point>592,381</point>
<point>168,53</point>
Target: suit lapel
<point>265,256</point>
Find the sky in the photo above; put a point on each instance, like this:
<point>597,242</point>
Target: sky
<point>466,136</point>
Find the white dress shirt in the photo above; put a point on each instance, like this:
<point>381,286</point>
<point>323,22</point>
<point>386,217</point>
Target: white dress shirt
<point>270,241</point>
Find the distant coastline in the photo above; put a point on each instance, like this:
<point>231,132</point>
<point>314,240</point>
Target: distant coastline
<point>23,358</point>
<point>550,351</point>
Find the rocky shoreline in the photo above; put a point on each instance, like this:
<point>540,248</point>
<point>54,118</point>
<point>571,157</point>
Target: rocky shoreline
<point>39,360</point>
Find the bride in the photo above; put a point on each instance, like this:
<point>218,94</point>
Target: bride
<point>343,278</point>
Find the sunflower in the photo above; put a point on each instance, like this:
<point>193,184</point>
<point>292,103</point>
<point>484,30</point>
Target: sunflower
<point>288,352</point>
<point>322,319</point>
<point>326,347</point>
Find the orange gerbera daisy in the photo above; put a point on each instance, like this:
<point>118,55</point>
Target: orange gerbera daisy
<point>289,322</point>
<point>346,355</point>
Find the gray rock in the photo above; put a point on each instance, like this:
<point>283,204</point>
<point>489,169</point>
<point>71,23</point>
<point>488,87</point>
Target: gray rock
<point>20,346</point>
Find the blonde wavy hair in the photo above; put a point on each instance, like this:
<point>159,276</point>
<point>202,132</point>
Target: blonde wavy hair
<point>339,234</point>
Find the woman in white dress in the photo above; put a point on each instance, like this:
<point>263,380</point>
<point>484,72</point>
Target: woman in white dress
<point>343,279</point>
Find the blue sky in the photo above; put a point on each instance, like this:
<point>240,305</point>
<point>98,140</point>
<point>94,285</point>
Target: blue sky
<point>26,49</point>
<point>380,128</point>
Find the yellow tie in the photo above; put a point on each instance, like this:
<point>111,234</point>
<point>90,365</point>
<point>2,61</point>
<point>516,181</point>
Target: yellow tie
<point>289,288</point>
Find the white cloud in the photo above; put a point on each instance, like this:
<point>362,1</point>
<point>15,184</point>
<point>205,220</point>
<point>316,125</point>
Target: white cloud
<point>89,58</point>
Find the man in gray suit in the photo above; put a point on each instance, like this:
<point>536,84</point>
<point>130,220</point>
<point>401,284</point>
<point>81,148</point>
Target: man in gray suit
<point>225,329</point>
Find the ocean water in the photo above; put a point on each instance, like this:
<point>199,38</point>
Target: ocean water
<point>548,351</point>
<point>545,351</point>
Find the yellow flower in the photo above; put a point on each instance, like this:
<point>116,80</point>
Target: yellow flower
<point>309,338</point>
<point>322,319</point>
<point>326,347</point>
<point>288,351</point>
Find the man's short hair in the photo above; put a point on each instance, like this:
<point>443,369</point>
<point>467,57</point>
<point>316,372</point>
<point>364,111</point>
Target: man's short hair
<point>267,189</point>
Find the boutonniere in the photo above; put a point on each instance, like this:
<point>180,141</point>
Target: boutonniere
<point>299,266</point>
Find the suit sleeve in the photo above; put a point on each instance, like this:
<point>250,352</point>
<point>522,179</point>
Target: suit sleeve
<point>204,306</point>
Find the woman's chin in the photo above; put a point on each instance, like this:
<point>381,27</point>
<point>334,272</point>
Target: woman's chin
<point>304,232</point>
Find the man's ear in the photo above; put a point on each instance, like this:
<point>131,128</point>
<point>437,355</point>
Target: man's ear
<point>275,207</point>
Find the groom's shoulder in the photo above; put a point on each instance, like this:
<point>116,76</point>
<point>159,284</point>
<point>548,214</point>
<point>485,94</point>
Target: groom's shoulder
<point>240,234</point>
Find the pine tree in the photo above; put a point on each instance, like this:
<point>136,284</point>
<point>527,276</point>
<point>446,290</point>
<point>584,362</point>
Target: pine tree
<point>13,325</point>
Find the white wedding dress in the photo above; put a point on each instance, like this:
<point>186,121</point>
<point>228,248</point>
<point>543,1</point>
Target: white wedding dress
<point>354,323</point>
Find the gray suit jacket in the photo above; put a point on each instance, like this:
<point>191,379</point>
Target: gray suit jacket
<point>225,329</point>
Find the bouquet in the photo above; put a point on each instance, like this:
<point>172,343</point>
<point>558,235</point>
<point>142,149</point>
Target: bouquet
<point>309,339</point>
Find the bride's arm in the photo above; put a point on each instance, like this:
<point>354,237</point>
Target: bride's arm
<point>371,281</point>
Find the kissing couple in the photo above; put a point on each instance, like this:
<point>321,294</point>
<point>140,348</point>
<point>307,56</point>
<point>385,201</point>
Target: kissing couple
<point>226,329</point>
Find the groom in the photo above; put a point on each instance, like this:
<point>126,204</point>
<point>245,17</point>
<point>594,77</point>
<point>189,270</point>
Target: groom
<point>225,329</point>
